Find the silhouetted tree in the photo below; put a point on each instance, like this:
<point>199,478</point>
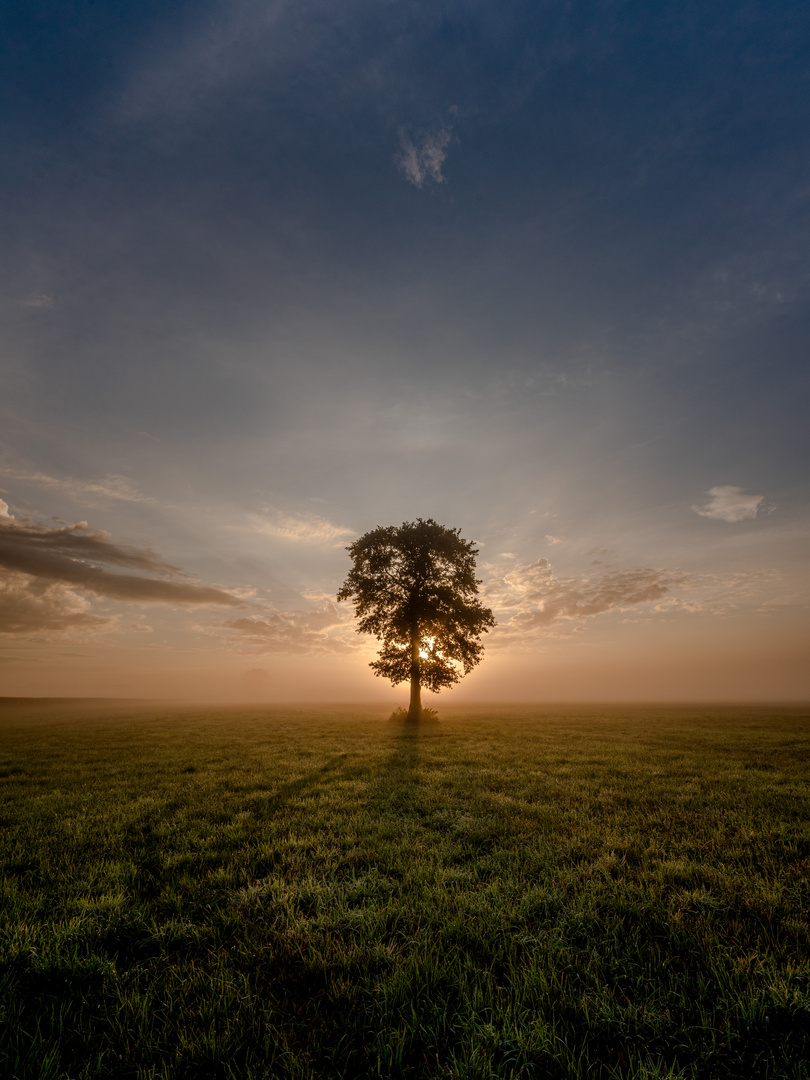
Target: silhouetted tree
<point>414,588</point>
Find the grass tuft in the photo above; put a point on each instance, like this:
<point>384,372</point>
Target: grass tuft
<point>402,716</point>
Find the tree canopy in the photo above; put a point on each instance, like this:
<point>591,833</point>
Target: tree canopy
<point>414,587</point>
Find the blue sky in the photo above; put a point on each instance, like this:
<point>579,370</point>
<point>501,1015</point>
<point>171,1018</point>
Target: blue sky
<point>273,274</point>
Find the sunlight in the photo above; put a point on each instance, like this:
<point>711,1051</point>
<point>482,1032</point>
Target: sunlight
<point>426,648</point>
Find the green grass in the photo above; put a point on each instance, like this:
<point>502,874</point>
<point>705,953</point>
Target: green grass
<point>525,893</point>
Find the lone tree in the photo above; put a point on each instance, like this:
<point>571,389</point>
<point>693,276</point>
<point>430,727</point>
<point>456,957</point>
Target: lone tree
<point>414,588</point>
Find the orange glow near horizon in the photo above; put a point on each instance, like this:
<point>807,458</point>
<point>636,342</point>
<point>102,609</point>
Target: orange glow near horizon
<point>685,667</point>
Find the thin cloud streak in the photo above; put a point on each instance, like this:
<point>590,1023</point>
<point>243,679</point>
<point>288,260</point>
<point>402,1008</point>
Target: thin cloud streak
<point>309,530</point>
<point>84,492</point>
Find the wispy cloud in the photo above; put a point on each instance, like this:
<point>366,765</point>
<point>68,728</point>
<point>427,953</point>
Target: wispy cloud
<point>294,632</point>
<point>38,300</point>
<point>722,594</point>
<point>422,160</point>
<point>532,599</point>
<point>85,492</point>
<point>308,529</point>
<point>45,571</point>
<point>729,503</point>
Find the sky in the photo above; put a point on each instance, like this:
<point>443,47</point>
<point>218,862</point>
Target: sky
<point>273,274</point>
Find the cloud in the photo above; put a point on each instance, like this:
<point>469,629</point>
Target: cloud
<point>38,300</point>
<point>85,492</point>
<point>530,599</point>
<point>420,162</point>
<point>32,606</point>
<point>309,530</point>
<point>76,559</point>
<point>729,503</point>
<point>294,632</point>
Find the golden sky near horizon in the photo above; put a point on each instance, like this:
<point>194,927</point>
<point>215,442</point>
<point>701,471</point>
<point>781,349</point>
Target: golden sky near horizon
<point>95,618</point>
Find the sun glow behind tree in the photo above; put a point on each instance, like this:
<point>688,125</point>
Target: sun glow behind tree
<point>414,588</point>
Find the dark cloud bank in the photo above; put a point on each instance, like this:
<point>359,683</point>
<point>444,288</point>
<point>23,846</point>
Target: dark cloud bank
<point>44,573</point>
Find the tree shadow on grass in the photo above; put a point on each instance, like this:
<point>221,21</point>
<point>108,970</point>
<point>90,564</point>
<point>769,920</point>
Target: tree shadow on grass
<point>399,775</point>
<point>399,786</point>
<point>148,847</point>
<point>310,781</point>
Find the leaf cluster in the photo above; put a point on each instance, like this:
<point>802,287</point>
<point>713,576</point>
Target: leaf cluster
<point>416,584</point>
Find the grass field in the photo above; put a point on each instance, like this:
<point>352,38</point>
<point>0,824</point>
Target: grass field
<point>268,892</point>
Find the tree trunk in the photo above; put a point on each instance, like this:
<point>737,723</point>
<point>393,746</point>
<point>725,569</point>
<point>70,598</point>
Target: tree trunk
<point>415,706</point>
